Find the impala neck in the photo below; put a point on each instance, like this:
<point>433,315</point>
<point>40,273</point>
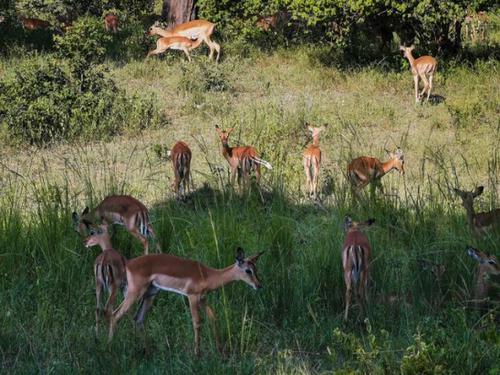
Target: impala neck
<point>316,140</point>
<point>226,150</point>
<point>197,43</point>
<point>470,214</point>
<point>411,59</point>
<point>220,277</point>
<point>105,244</point>
<point>387,166</point>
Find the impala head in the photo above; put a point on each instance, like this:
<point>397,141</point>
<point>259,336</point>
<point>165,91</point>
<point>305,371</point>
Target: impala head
<point>468,196</point>
<point>246,268</point>
<point>223,134</point>
<point>350,225</point>
<point>398,160</point>
<point>97,235</point>
<point>315,131</point>
<point>81,223</point>
<point>489,263</point>
<point>406,50</point>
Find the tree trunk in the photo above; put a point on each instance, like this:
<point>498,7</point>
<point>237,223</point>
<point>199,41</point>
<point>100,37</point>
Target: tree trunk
<point>177,11</point>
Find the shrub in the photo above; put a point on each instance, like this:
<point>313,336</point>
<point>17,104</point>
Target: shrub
<point>201,76</point>
<point>47,101</point>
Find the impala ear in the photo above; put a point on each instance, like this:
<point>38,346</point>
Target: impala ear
<point>412,47</point>
<point>473,253</point>
<point>255,257</point>
<point>240,256</point>
<point>402,48</point>
<point>85,211</point>
<point>479,190</point>
<point>230,130</point>
<point>76,218</point>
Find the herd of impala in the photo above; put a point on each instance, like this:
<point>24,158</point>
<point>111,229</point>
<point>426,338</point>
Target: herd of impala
<point>141,279</point>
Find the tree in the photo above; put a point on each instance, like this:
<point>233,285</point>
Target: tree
<point>178,11</point>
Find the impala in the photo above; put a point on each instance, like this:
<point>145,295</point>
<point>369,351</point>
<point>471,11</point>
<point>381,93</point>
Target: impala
<point>175,42</point>
<point>478,222</point>
<point>365,170</point>
<point>181,162</point>
<point>197,29</point>
<point>148,274</point>
<point>241,159</point>
<point>123,210</point>
<point>111,23</point>
<point>422,67</point>
<point>273,21</point>
<point>109,270</point>
<point>33,23</point>
<point>312,161</point>
<point>488,266</point>
<point>356,262</point>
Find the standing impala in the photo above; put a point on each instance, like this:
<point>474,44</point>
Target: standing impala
<point>111,22</point>
<point>148,274</point>
<point>241,159</point>
<point>481,222</point>
<point>175,42</point>
<point>422,67</point>
<point>197,29</point>
<point>33,23</point>
<point>364,170</point>
<point>123,210</point>
<point>356,262</point>
<point>181,162</point>
<point>109,271</point>
<point>488,266</point>
<point>312,161</point>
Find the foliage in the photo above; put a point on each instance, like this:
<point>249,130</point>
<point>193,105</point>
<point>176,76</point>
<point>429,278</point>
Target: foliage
<point>49,101</point>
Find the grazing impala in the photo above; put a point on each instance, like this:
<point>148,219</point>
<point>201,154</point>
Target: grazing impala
<point>111,22</point>
<point>480,222</point>
<point>422,67</point>
<point>148,274</point>
<point>175,42</point>
<point>312,161</point>
<point>241,159</point>
<point>356,262</point>
<point>181,162</point>
<point>197,29</point>
<point>488,266</point>
<point>33,23</point>
<point>123,210</point>
<point>109,271</point>
<point>364,170</point>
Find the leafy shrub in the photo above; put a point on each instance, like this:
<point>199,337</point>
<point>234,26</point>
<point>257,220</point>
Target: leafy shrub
<point>48,101</point>
<point>200,76</point>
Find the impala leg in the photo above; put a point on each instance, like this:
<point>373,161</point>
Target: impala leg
<point>415,80</point>
<point>426,84</point>
<point>156,51</point>
<point>134,231</point>
<point>430,86</point>
<point>307,171</point>
<point>217,48</point>
<point>187,53</point>
<point>233,175</point>
<point>194,305</point>
<point>213,323</point>
<point>315,178</point>
<point>347,280</point>
<point>98,291</point>
<point>132,296</point>
<point>108,308</point>
<point>208,42</point>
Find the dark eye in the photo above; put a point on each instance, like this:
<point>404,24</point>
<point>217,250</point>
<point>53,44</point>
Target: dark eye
<point>249,271</point>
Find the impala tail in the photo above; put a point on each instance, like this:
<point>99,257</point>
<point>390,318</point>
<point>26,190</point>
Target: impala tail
<point>356,255</point>
<point>262,162</point>
<point>182,164</point>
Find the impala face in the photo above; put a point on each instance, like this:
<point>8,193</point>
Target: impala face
<point>406,50</point>
<point>247,269</point>
<point>81,224</point>
<point>468,197</point>
<point>96,233</point>
<point>398,158</point>
<point>223,134</point>
<point>488,262</point>
<point>349,224</point>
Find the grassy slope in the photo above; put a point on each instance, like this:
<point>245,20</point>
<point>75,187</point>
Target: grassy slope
<point>290,326</point>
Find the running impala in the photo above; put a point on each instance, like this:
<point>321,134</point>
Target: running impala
<point>480,222</point>
<point>241,159</point>
<point>175,42</point>
<point>356,262</point>
<point>148,274</point>
<point>181,162</point>
<point>109,271</point>
<point>123,210</point>
<point>197,29</point>
<point>422,67</point>
<point>487,266</point>
<point>312,161</point>
<point>365,170</point>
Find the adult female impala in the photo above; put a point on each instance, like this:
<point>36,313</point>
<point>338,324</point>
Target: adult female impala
<point>148,274</point>
<point>356,262</point>
<point>175,42</point>
<point>364,170</point>
<point>488,266</point>
<point>197,29</point>
<point>109,270</point>
<point>312,161</point>
<point>422,67</point>
<point>181,162</point>
<point>241,159</point>
<point>123,210</point>
<point>481,222</point>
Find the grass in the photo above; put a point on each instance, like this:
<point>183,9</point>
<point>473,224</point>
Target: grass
<point>294,325</point>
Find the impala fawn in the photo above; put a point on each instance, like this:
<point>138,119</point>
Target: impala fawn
<point>181,163</point>
<point>148,274</point>
<point>365,170</point>
<point>481,222</point>
<point>109,271</point>
<point>312,162</point>
<point>356,262</point>
<point>488,266</point>
<point>422,67</point>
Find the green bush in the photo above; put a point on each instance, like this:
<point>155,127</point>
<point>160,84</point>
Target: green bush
<point>202,77</point>
<point>47,101</point>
